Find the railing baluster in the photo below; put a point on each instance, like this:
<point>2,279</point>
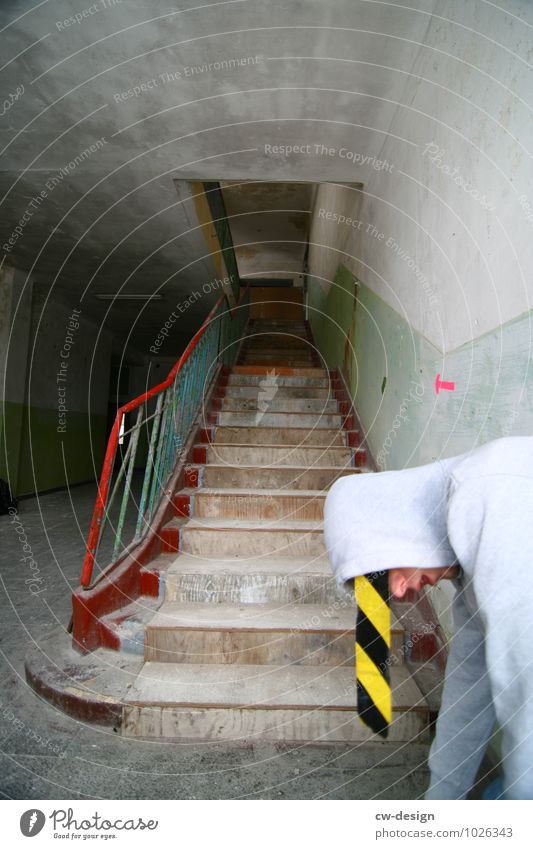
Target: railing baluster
<point>161,443</point>
<point>179,401</point>
<point>134,442</point>
<point>149,465</point>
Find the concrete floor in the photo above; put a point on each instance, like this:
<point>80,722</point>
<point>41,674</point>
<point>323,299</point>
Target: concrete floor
<point>48,755</point>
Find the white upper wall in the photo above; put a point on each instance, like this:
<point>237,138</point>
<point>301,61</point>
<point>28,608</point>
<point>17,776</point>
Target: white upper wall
<point>453,202</point>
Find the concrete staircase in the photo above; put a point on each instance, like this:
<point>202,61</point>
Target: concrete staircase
<point>253,641</point>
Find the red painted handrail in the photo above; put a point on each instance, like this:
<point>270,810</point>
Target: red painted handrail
<point>109,459</point>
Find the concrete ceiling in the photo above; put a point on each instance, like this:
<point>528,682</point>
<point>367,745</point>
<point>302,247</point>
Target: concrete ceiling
<point>269,226</point>
<point>236,90</point>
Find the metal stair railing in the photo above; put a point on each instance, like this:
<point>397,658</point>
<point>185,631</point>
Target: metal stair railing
<point>166,426</point>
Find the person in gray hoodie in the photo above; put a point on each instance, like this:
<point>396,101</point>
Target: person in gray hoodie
<point>468,519</point>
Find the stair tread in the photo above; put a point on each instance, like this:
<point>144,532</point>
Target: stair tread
<point>234,685</point>
<point>251,466</point>
<point>292,446</point>
<point>186,563</point>
<point>250,525</point>
<point>245,491</point>
<point>275,616</point>
<point>266,616</point>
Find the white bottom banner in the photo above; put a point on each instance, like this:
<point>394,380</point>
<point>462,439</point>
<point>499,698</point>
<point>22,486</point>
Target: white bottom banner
<point>257,824</point>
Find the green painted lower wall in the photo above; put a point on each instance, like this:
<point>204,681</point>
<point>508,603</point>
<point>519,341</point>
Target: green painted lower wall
<point>332,319</point>
<point>390,369</point>
<point>10,428</point>
<point>49,459</point>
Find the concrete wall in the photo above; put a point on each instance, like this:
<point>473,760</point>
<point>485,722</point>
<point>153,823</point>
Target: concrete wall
<point>57,368</point>
<point>15,319</point>
<point>439,238</point>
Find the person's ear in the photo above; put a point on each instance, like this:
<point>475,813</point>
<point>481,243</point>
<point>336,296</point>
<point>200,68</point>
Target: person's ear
<point>397,583</point>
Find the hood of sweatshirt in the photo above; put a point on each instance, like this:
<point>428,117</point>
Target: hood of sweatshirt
<point>381,521</point>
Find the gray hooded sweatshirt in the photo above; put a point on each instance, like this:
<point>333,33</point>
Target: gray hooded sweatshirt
<point>476,511</point>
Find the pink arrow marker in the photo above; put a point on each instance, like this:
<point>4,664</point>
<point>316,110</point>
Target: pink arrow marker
<point>443,384</point>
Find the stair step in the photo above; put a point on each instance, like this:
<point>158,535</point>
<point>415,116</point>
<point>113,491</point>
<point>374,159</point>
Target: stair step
<point>264,325</point>
<point>302,634</point>
<point>276,436</point>
<point>305,393</point>
<point>255,580</point>
<point>251,504</point>
<point>279,405</point>
<point>273,455</point>
<point>252,703</point>
<point>261,371</point>
<point>277,361</point>
<point>293,355</point>
<point>207,537</point>
<point>282,420</point>
<point>128,623</point>
<point>279,341</point>
<point>272,477</point>
<point>279,436</point>
<point>281,380</point>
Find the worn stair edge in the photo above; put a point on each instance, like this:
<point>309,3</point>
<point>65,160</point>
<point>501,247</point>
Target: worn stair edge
<point>291,475</point>
<point>253,617</point>
<point>185,563</point>
<point>311,526</point>
<point>90,687</point>
<point>258,726</point>
<point>263,686</point>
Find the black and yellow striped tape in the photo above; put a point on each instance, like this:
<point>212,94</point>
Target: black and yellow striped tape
<point>372,645</point>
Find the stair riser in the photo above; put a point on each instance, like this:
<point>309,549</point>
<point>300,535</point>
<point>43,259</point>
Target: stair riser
<point>275,404</point>
<point>220,588</point>
<point>263,370</point>
<point>264,325</point>
<point>279,345</point>
<point>289,456</point>
<point>266,419</point>
<point>280,478</point>
<point>258,337</point>
<point>319,648</point>
<point>261,725</point>
<point>294,356</point>
<point>301,436</point>
<point>246,543</point>
<point>250,647</point>
<point>300,508</point>
<point>278,348</point>
<point>281,380</point>
<point>289,392</point>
